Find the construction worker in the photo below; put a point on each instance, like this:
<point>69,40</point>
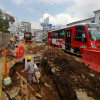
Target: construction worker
<point>31,71</point>
<point>11,44</point>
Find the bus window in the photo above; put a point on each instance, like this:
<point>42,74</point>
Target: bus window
<point>94,32</point>
<point>49,35</point>
<point>80,34</point>
<point>55,34</point>
<point>62,34</point>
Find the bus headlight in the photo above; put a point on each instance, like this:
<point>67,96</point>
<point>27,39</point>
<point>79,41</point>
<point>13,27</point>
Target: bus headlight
<point>93,45</point>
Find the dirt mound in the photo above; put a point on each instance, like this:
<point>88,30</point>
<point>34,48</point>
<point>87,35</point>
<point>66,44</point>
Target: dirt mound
<point>1,52</point>
<point>47,90</point>
<point>71,75</point>
<point>33,50</point>
<point>9,52</point>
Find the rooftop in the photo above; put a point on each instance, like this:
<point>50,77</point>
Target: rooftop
<point>97,11</point>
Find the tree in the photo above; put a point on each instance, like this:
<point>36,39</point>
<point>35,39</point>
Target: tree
<point>1,21</point>
<point>4,23</point>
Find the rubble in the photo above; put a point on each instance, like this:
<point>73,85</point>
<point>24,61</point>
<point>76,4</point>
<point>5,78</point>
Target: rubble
<point>9,52</point>
<point>71,74</point>
<point>34,50</point>
<point>62,78</point>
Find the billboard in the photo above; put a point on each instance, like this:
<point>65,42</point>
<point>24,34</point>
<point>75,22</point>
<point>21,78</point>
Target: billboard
<point>46,25</point>
<point>43,24</point>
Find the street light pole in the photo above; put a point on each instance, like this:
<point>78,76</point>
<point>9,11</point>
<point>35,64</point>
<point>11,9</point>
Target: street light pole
<point>42,13</point>
<point>42,16</point>
<point>42,20</point>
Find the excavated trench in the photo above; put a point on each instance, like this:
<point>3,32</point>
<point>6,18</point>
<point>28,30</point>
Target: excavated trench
<point>61,76</point>
<point>47,90</point>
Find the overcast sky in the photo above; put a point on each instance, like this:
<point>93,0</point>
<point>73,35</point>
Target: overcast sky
<point>58,11</point>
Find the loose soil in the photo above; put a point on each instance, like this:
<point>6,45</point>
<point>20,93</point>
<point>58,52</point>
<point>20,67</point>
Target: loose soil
<point>47,93</point>
<point>61,84</point>
<point>1,52</point>
<point>9,52</point>
<point>71,75</point>
<point>34,50</point>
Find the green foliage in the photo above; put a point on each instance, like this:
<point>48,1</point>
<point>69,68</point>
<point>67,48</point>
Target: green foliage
<point>4,23</point>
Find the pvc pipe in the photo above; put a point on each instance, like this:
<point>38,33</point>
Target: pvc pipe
<point>6,71</point>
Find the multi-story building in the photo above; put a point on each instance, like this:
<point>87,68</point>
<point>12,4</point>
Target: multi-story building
<point>37,31</point>
<point>25,27</point>
<point>13,26</point>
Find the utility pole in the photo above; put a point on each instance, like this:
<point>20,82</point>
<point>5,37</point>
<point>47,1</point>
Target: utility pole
<point>42,20</point>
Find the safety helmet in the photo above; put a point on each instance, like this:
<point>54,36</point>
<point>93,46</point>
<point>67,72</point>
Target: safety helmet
<point>29,58</point>
<point>11,39</point>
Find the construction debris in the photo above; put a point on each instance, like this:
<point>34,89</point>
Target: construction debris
<point>25,81</point>
<point>47,85</point>
<point>38,95</point>
<point>34,50</point>
<point>71,74</point>
<point>62,78</point>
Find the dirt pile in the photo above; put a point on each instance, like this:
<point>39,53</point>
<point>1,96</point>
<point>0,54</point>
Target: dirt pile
<point>33,50</point>
<point>47,90</point>
<point>9,52</point>
<point>71,75</point>
<point>1,52</point>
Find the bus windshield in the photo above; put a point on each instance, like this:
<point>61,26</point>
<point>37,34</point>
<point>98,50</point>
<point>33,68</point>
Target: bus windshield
<point>94,32</point>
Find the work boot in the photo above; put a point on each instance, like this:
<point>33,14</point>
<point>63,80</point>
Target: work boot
<point>29,83</point>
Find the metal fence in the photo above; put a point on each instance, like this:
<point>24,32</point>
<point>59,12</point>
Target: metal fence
<point>4,39</point>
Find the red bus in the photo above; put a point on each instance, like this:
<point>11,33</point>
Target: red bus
<point>76,38</point>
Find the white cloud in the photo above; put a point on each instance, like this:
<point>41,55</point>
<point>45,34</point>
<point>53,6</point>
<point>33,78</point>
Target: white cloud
<point>8,12</point>
<point>83,8</point>
<point>52,1</point>
<point>1,7</point>
<point>30,10</point>
<point>18,2</point>
<point>80,9</point>
<point>61,18</point>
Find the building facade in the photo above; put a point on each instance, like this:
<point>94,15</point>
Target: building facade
<point>37,31</point>
<point>95,19</point>
<point>97,16</point>
<point>89,20</point>
<point>25,27</point>
<point>13,26</point>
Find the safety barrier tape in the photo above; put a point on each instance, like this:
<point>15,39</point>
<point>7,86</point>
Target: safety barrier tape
<point>78,45</point>
<point>2,75</point>
<point>69,44</point>
<point>73,53</point>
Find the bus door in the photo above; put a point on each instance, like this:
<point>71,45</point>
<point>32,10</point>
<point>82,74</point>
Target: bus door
<point>80,39</point>
<point>68,38</point>
<point>51,36</point>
